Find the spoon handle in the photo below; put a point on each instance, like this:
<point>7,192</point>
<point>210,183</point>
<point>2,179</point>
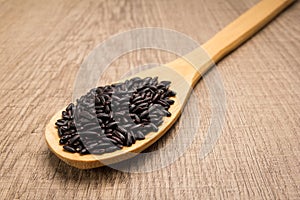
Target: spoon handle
<point>243,28</point>
<point>198,62</point>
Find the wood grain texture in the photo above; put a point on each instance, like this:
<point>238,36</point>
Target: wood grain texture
<point>43,43</point>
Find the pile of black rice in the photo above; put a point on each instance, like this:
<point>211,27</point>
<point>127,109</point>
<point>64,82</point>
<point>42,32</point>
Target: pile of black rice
<point>110,117</point>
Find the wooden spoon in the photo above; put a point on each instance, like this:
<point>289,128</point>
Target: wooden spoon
<point>183,73</point>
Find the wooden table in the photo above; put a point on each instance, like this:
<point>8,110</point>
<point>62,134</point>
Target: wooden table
<point>42,45</point>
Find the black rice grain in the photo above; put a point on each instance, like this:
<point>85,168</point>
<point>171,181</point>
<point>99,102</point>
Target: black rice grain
<point>110,117</point>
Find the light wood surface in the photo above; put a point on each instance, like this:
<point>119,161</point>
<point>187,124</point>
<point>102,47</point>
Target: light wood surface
<point>43,43</point>
<point>188,69</point>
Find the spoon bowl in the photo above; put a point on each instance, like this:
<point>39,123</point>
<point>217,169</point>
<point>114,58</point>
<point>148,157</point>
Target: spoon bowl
<point>92,161</point>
